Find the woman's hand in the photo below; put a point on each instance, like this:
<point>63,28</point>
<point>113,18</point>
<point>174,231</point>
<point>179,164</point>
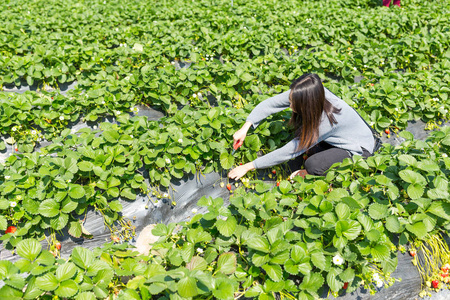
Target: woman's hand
<point>239,136</point>
<point>240,171</point>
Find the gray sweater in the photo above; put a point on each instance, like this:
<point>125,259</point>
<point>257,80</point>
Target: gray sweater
<point>350,133</point>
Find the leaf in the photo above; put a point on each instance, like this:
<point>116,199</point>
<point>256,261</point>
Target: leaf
<point>418,229</point>
<point>226,227</point>
<point>32,291</point>
<point>3,223</point>
<point>226,160</point>
<point>274,271</point>
<point>115,206</point>
<point>393,224</point>
<point>380,252</point>
<point>312,282</point>
<point>440,209</point>
<point>29,249</point>
<point>75,229</point>
<point>348,275</point>
<point>332,280</point>
<point>197,263</point>
<point>128,193</point>
<point>285,187</point>
<point>226,263</point>
<point>85,296</point>
<point>318,260</point>
<point>349,229</point>
<point>76,191</point>
<point>415,190</point>
<point>67,289</point>
<point>411,176</point>
<point>259,243</point>
<point>47,282</point>
<point>408,159</point>
<point>65,271</point>
<point>378,211</point>
<point>111,136</point>
<point>342,211</point>
<point>187,287</point>
<point>82,257</point>
<point>85,166</point>
<point>224,289</point>
<point>49,208</point>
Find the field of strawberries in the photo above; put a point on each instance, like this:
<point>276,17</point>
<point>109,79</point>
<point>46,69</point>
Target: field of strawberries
<point>203,66</point>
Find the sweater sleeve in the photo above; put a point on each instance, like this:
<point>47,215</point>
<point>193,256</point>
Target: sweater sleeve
<point>290,151</point>
<point>267,107</point>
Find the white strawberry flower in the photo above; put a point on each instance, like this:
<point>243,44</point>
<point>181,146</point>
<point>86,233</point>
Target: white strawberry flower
<point>69,180</point>
<point>167,161</point>
<point>443,155</point>
<point>200,250</point>
<point>7,177</point>
<point>379,284</point>
<point>338,260</point>
<point>376,276</point>
<point>117,112</point>
<point>14,128</point>
<point>194,211</point>
<point>61,118</point>
<point>33,132</point>
<point>165,195</point>
<point>13,204</point>
<point>180,141</point>
<point>199,95</point>
<point>194,95</point>
<point>117,29</point>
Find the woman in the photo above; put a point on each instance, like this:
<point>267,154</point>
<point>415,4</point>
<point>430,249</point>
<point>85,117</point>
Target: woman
<point>325,126</point>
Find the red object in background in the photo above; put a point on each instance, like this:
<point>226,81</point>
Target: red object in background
<point>274,171</point>
<point>388,2</point>
<point>58,245</point>
<point>278,183</point>
<point>11,229</point>
<point>387,131</point>
<point>345,285</point>
<point>229,187</point>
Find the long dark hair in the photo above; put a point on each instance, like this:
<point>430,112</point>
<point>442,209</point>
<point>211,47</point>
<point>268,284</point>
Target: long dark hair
<point>308,102</point>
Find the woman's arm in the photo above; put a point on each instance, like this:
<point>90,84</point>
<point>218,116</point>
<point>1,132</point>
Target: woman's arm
<point>267,107</point>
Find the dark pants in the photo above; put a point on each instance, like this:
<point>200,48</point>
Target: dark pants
<point>321,157</point>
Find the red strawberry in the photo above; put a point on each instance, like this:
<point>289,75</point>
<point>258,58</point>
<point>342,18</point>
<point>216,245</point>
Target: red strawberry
<point>278,183</point>
<point>445,268</point>
<point>345,285</point>
<point>17,149</point>
<point>443,275</point>
<point>229,187</point>
<point>372,84</point>
<point>115,239</point>
<point>413,253</point>
<point>387,131</point>
<point>11,229</point>
<point>435,283</point>
<point>58,245</point>
<point>274,171</point>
